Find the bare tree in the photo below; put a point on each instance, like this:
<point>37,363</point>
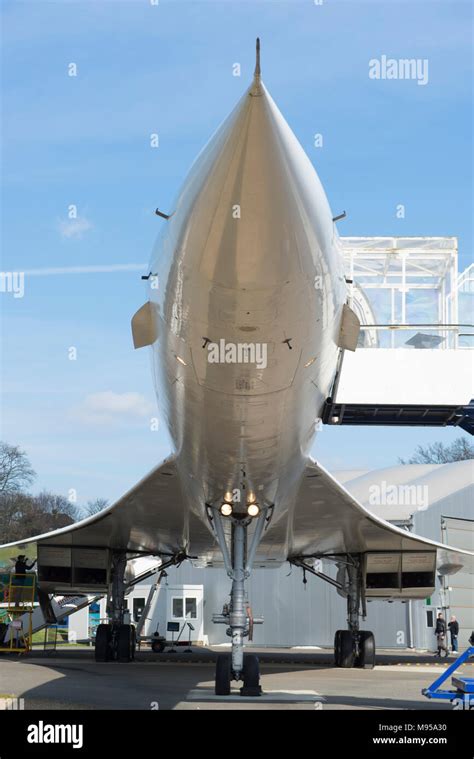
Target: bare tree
<point>23,516</point>
<point>16,471</point>
<point>438,453</point>
<point>93,507</point>
<point>57,506</point>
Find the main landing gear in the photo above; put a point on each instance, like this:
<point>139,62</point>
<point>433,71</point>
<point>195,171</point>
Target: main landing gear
<point>116,641</point>
<point>238,665</point>
<point>352,647</point>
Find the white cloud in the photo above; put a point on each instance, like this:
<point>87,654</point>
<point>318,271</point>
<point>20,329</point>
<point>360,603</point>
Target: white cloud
<point>108,407</point>
<point>74,229</point>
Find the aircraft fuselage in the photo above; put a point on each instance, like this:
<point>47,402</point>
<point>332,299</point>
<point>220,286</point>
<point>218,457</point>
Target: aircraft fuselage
<point>249,299</point>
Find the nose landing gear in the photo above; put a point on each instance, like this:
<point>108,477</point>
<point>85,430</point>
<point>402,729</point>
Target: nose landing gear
<point>238,665</point>
<point>250,675</point>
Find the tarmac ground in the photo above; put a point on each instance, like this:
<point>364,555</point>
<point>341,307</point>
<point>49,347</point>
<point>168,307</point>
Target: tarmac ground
<point>71,679</point>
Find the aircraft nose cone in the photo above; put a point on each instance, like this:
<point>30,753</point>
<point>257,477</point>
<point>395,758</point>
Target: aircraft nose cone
<point>252,210</point>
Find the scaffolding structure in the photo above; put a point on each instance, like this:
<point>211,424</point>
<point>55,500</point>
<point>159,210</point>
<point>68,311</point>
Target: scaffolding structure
<point>407,291</point>
<point>18,607</point>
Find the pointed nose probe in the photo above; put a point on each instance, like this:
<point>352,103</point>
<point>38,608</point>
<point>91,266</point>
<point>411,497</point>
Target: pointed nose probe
<point>257,61</point>
<point>256,89</point>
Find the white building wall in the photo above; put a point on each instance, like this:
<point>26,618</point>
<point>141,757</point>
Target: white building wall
<point>295,615</point>
<point>459,504</point>
<point>78,625</point>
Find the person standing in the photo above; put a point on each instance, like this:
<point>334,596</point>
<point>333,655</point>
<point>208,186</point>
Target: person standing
<point>20,581</point>
<point>453,628</point>
<point>22,566</point>
<point>440,632</point>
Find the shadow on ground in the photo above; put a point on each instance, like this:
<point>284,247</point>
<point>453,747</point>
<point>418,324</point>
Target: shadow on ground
<point>71,679</point>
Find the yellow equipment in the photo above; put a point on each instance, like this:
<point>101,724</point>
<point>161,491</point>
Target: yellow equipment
<point>18,608</point>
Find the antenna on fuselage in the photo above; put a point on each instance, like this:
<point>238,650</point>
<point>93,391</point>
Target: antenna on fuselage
<point>164,215</point>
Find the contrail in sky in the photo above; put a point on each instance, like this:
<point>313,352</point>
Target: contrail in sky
<point>98,269</point>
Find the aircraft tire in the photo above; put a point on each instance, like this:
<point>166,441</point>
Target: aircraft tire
<point>366,657</point>
<point>223,674</point>
<point>158,646</point>
<point>103,637</point>
<point>125,643</point>
<point>251,671</point>
<point>347,653</point>
<point>337,647</point>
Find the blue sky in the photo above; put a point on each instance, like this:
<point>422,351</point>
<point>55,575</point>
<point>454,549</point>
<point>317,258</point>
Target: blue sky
<point>85,141</point>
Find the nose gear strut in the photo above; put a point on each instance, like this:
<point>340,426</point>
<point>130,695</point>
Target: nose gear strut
<point>238,614</point>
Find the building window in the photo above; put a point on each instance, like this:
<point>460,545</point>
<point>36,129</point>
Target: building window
<point>191,608</point>
<point>177,608</point>
<point>184,606</point>
<point>138,606</point>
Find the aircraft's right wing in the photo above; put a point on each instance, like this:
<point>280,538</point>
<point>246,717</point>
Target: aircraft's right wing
<point>152,518</point>
<point>327,520</point>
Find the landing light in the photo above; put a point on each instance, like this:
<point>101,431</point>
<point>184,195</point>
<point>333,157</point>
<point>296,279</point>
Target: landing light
<point>253,510</point>
<point>181,360</point>
<point>226,509</point>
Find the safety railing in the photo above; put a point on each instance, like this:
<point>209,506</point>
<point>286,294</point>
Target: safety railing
<point>419,336</point>
<point>17,607</point>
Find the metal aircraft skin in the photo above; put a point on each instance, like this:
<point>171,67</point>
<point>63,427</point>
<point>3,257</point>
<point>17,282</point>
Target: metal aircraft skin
<point>250,256</point>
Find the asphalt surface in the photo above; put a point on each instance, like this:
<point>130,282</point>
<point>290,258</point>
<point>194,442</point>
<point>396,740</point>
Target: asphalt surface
<point>71,679</point>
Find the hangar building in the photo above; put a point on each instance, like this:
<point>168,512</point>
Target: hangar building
<point>435,501</point>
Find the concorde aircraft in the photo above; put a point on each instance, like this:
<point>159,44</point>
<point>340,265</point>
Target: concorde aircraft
<point>247,318</point>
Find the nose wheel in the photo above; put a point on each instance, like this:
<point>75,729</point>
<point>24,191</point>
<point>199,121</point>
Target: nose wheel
<point>223,674</point>
<point>250,675</point>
